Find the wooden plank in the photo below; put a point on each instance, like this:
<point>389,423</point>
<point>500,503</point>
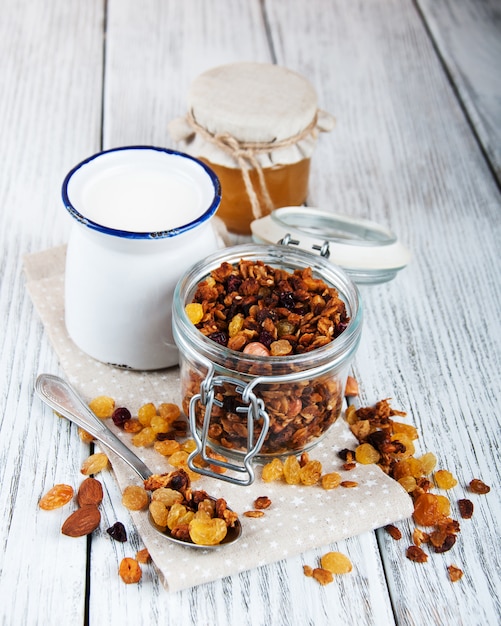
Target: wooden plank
<point>467,35</point>
<point>149,66</point>
<point>50,118</point>
<point>403,155</point>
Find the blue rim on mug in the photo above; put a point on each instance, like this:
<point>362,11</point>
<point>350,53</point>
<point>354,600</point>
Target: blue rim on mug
<point>127,234</point>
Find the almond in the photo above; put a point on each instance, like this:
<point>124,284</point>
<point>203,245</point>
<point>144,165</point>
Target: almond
<point>351,387</point>
<point>82,521</point>
<point>90,492</point>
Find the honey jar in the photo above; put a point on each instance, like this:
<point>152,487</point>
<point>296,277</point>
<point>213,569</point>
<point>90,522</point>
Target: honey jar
<point>256,126</point>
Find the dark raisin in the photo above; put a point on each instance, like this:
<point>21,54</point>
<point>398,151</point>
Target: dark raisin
<point>120,416</point>
<point>346,455</point>
<point>163,436</point>
<point>465,508</point>
<point>233,283</point>
<point>286,299</point>
<point>118,532</point>
<point>266,338</point>
<point>219,337</point>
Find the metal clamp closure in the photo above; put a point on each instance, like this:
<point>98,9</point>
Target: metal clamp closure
<point>253,408</point>
<point>323,249</point>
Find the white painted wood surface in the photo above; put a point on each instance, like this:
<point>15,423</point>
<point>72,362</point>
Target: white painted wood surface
<point>403,153</point>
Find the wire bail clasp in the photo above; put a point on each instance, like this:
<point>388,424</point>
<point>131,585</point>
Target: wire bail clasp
<point>254,410</point>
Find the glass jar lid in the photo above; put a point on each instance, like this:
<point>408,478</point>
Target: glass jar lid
<point>369,253</point>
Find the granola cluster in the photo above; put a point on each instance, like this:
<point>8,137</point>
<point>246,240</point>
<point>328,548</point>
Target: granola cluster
<point>258,310</point>
<point>252,302</point>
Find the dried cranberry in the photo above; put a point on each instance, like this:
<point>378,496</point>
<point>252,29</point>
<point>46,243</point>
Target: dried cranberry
<point>118,532</point>
<point>120,416</point>
<point>219,337</point>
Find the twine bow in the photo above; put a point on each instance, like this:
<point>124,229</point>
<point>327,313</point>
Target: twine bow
<point>245,155</point>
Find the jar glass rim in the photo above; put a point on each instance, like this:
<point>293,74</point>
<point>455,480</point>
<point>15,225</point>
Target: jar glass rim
<point>149,234</point>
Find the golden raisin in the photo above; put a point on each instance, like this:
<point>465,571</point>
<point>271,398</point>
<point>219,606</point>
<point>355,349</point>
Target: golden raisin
<point>85,436</point>
<point>272,471</point>
<point>407,429</point>
<point>145,437</point>
<point>94,464</point>
<point>135,498</point>
<point>130,571</point>
<point>292,470</point>
<point>444,479</point>
<point>428,463</point>
<point>159,424</point>
<point>102,406</point>
<point>331,480</point>
<point>408,483</point>
<point>336,562</point>
<point>426,510</point>
<point>189,446</point>
<point>169,411</point>
<point>310,473</point>
<point>195,312</point>
<point>159,512</point>
<point>208,532</point>
<point>236,325</point>
<point>179,458</point>
<point>366,454</point>
<point>132,426</point>
<point>167,496</point>
<point>145,413</point>
<point>56,497</point>
<point>167,447</point>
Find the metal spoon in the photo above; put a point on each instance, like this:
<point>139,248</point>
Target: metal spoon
<point>61,397</point>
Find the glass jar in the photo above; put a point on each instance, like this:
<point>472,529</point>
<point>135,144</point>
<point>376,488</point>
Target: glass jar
<point>245,405</point>
<point>256,126</point>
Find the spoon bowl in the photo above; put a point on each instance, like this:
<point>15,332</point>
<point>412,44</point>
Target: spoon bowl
<point>60,396</point>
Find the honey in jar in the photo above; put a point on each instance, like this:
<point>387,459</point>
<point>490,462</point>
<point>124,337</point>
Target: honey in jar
<point>256,126</point>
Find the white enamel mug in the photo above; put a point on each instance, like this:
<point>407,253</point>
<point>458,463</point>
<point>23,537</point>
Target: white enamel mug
<point>142,217</point>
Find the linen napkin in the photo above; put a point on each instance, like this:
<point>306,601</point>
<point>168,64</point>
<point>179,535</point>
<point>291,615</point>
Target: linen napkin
<point>300,518</point>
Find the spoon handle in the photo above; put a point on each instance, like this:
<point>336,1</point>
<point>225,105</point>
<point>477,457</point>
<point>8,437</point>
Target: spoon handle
<point>61,397</point>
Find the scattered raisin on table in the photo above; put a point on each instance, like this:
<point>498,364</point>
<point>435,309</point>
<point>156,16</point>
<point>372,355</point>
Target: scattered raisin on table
<point>478,486</point>
<point>56,497</point>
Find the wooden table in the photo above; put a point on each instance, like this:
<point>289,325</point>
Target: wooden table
<point>416,90</point>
